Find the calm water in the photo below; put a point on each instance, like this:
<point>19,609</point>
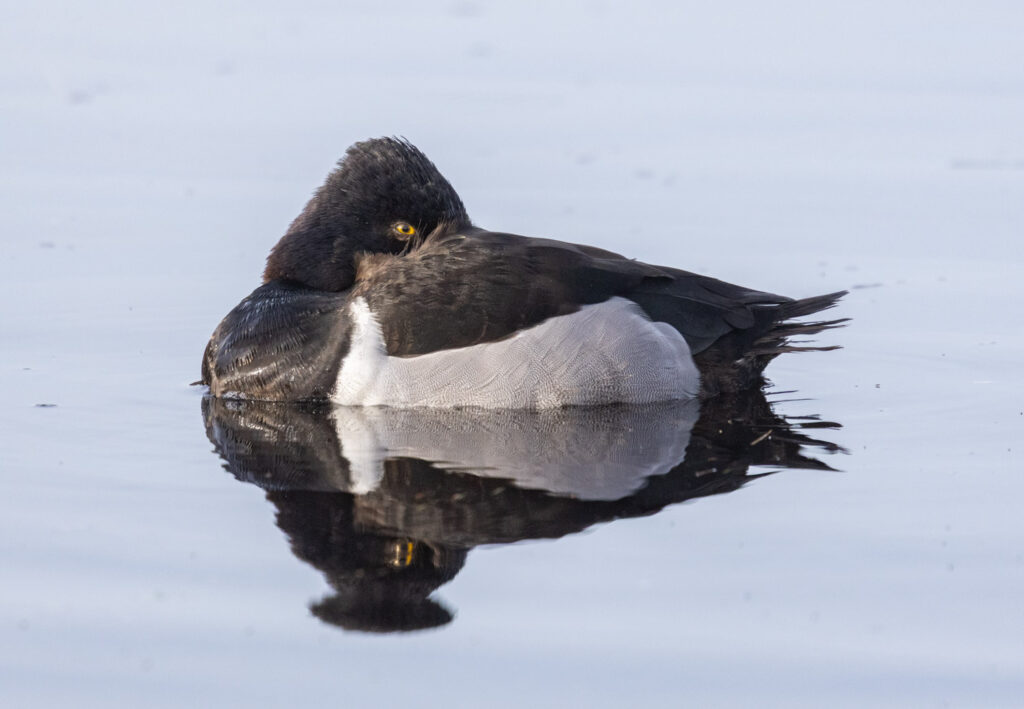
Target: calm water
<point>157,549</point>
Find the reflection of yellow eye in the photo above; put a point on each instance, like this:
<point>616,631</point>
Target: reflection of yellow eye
<point>403,554</point>
<point>404,229</point>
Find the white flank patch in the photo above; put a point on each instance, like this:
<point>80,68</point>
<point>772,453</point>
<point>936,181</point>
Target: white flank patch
<point>602,354</point>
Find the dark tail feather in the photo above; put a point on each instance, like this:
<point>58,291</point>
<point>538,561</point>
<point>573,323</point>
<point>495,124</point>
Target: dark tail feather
<point>809,306</point>
<point>737,360</point>
<point>776,340</point>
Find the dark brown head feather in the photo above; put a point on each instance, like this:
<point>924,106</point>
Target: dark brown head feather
<point>376,184</point>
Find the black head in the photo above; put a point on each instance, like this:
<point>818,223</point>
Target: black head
<point>383,193</point>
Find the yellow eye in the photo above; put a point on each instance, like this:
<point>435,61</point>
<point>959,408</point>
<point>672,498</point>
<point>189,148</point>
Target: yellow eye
<point>404,229</point>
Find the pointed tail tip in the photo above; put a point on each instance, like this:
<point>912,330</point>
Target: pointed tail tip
<point>809,306</point>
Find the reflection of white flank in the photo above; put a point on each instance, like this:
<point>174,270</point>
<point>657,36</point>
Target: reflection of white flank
<point>602,354</point>
<point>590,453</point>
<point>364,453</point>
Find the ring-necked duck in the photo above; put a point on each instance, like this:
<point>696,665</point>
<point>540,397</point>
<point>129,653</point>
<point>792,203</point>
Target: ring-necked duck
<point>382,292</point>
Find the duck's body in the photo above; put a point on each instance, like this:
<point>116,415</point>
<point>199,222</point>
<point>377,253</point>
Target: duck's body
<point>452,315</point>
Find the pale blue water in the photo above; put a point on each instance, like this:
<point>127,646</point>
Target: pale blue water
<point>151,157</point>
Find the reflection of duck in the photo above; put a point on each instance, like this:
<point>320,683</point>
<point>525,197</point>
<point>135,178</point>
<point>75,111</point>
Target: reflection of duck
<point>383,292</point>
<point>388,503</point>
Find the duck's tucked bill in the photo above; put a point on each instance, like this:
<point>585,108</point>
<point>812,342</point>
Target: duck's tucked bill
<point>382,292</point>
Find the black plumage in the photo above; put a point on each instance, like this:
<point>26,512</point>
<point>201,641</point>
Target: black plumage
<point>451,285</point>
<point>377,183</point>
<point>284,342</point>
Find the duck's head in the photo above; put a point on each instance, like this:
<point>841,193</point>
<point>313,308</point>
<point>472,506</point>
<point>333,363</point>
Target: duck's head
<point>383,194</point>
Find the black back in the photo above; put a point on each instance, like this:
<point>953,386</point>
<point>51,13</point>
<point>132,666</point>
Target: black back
<point>476,286</point>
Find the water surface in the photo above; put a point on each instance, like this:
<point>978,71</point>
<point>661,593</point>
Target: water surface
<point>152,157</point>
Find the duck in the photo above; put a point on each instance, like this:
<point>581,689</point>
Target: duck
<point>382,292</point>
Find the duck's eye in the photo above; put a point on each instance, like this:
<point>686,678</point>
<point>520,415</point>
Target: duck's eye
<point>403,229</point>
